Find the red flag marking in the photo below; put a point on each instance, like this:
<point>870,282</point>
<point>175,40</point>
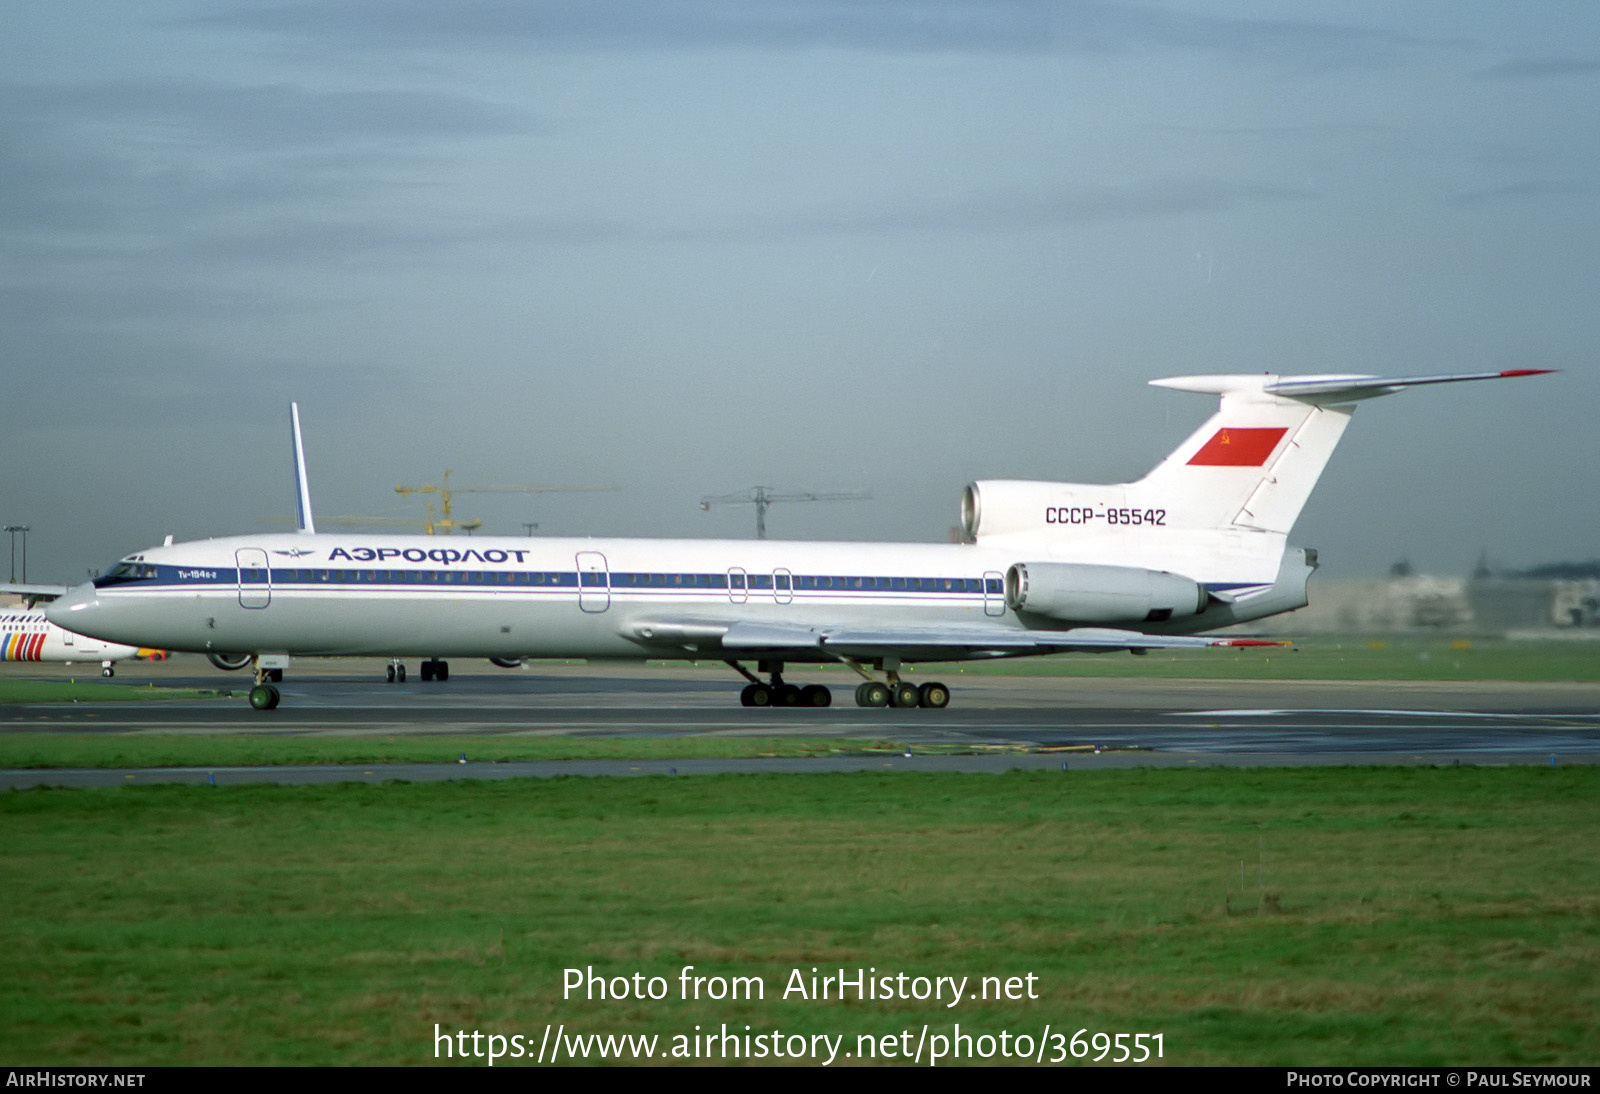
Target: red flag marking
<point>1235,447</point>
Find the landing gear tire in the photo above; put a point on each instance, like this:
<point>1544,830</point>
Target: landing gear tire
<point>435,669</point>
<point>905,695</point>
<point>934,696</point>
<point>815,695</point>
<point>396,673</point>
<point>872,694</point>
<point>264,697</point>
<point>756,695</point>
<point>108,671</point>
<point>787,695</point>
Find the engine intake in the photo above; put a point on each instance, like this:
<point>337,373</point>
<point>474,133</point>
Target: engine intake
<point>1080,593</point>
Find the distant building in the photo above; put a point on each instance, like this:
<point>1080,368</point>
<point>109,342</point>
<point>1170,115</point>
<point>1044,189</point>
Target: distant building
<point>1449,605</point>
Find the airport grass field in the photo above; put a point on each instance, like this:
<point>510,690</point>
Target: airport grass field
<point>1305,916</point>
<point>1405,915</point>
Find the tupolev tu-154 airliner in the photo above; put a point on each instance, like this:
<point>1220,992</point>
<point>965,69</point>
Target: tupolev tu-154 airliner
<point>1199,543</point>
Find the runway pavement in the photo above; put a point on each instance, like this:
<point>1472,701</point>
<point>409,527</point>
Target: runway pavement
<point>1042,722</point>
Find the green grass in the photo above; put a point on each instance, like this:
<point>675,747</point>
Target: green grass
<point>1416,916</point>
<point>41,750</point>
<point>91,691</point>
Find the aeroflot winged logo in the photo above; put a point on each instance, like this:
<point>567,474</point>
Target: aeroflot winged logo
<point>1235,447</point>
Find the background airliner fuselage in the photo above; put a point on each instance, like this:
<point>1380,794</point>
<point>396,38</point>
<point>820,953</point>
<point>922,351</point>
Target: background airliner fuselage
<point>26,635</point>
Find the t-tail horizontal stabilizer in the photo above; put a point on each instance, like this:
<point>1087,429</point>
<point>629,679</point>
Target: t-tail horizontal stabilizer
<point>1253,465</point>
<point>1329,389</point>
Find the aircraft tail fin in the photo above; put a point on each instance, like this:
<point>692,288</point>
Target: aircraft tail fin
<point>1252,466</point>
<point>302,489</point>
<point>1220,507</point>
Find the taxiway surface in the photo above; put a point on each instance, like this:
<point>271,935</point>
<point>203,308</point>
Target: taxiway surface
<point>1009,722</point>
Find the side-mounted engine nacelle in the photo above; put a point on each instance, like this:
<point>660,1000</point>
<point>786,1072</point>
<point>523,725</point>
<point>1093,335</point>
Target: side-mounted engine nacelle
<point>1078,593</point>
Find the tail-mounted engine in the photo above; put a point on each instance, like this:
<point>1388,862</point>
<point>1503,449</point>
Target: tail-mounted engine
<point>1078,593</point>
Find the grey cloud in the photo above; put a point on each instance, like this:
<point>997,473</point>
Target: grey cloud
<point>100,382</point>
<point>1049,207</point>
<point>189,158</point>
<point>906,26</point>
<point>1017,210</point>
<point>1519,191</point>
<point>56,188</point>
<point>279,115</point>
<point>1540,69</point>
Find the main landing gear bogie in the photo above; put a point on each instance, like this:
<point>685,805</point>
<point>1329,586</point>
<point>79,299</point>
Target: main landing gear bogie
<point>872,693</point>
<point>785,695</point>
<point>432,669</point>
<point>902,695</point>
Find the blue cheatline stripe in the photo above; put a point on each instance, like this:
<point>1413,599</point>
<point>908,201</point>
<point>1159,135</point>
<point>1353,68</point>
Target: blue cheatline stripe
<point>167,576</point>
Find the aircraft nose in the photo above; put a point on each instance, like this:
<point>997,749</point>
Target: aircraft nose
<point>73,608</point>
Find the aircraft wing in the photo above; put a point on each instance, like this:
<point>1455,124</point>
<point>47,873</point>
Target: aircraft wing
<point>745,640</point>
<point>33,594</point>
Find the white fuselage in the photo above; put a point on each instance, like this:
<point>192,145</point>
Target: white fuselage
<point>519,597</point>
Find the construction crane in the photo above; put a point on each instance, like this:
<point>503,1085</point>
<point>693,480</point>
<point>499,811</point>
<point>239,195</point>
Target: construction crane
<point>447,522</point>
<point>761,498</point>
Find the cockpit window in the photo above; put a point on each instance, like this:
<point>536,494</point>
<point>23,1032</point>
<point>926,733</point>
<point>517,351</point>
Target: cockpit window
<point>124,572</point>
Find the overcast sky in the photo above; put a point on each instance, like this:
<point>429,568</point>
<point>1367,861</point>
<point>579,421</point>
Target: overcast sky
<point>689,247</point>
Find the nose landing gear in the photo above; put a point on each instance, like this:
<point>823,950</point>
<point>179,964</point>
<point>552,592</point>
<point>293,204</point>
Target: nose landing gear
<point>265,695</point>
